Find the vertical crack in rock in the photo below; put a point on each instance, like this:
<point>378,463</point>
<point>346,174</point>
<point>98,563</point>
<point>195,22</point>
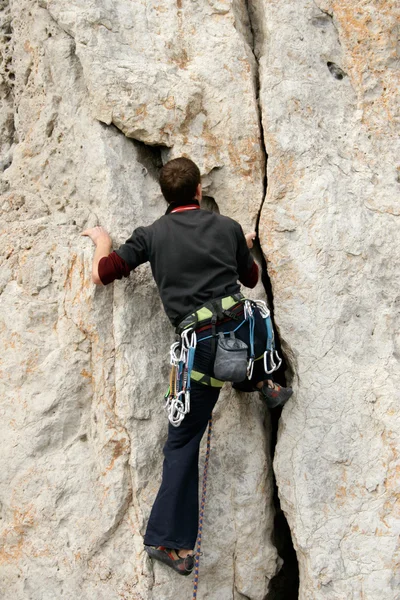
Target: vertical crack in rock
<point>7,77</point>
<point>285,585</point>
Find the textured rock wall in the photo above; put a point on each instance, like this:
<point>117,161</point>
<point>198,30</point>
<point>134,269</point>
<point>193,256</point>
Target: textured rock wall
<point>330,228</point>
<point>85,370</point>
<point>94,96</point>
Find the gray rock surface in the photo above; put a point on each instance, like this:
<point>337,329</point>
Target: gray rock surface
<point>329,74</point>
<point>94,96</point>
<point>85,369</point>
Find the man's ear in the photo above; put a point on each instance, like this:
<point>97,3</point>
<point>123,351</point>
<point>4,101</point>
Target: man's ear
<point>198,195</point>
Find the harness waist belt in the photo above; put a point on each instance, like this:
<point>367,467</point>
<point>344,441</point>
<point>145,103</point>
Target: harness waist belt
<point>209,311</point>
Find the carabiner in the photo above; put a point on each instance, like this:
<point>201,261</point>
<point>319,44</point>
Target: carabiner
<point>250,367</point>
<point>272,369</point>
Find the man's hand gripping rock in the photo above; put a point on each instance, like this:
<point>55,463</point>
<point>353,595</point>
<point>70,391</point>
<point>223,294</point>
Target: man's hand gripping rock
<point>103,243</point>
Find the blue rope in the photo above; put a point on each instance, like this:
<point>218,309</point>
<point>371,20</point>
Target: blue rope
<point>270,335</point>
<point>201,513</point>
<point>190,362</point>
<point>251,335</point>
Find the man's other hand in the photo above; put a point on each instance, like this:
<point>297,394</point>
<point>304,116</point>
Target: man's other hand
<point>103,243</point>
<point>98,235</point>
<point>250,237</point>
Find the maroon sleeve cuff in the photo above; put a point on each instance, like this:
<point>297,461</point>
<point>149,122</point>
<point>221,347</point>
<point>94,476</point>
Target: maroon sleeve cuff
<point>112,267</point>
<point>250,278</point>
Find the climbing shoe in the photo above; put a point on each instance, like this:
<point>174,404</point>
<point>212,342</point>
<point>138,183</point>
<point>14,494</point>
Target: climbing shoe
<point>276,395</point>
<point>170,557</point>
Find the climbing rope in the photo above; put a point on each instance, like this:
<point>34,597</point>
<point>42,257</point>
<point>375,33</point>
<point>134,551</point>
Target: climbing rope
<point>201,513</point>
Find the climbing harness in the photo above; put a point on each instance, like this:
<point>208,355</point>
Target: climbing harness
<point>217,309</point>
<point>201,512</point>
<point>182,352</point>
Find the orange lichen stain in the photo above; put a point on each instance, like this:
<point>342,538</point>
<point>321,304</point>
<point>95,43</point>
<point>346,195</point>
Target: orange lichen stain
<point>11,552</point>
<point>341,493</point>
<point>369,36</point>
<point>12,341</point>
<point>31,363</point>
<point>160,8</point>
<point>179,56</point>
<point>68,279</point>
<point>76,274</point>
<point>283,177</point>
<point>246,68</point>
<point>120,447</point>
<point>380,532</point>
<point>12,541</point>
<point>169,102</point>
<point>192,110</point>
<point>141,110</point>
<point>103,498</point>
<point>392,481</point>
<point>27,47</point>
<point>23,258</point>
<point>382,518</point>
<point>86,374</point>
<point>245,156</point>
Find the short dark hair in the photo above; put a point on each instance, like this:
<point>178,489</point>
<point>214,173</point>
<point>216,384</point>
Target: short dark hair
<point>179,179</point>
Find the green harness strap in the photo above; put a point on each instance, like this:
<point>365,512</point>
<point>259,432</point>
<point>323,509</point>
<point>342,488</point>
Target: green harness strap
<point>206,379</point>
<point>206,312</point>
<point>211,381</point>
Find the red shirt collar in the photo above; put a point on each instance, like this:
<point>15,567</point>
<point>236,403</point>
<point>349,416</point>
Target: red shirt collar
<point>186,207</point>
<point>173,206</point>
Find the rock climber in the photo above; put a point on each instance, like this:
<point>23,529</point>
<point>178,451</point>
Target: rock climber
<point>197,258</point>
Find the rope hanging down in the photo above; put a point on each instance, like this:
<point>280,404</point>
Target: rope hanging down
<point>201,513</point>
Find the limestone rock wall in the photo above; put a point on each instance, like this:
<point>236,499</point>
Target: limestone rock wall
<point>330,229</point>
<point>94,97</point>
<point>85,370</point>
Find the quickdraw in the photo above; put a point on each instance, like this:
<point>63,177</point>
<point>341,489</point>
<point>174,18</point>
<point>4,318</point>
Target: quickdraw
<point>249,316</point>
<point>177,399</point>
<point>270,353</point>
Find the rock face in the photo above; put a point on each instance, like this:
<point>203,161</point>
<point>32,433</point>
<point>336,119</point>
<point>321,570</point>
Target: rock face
<point>94,97</point>
<point>330,229</point>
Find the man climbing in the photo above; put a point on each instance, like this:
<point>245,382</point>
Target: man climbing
<point>197,257</point>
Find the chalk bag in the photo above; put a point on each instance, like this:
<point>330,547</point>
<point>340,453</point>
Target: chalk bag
<point>230,359</point>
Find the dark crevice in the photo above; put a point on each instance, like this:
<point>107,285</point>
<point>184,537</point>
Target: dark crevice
<point>285,584</point>
<point>336,71</point>
<point>151,157</point>
<point>208,203</point>
<point>8,136</point>
<point>6,50</point>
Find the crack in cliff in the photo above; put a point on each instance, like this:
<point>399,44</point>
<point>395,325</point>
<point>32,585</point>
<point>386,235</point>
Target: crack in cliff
<point>7,79</point>
<point>285,584</point>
